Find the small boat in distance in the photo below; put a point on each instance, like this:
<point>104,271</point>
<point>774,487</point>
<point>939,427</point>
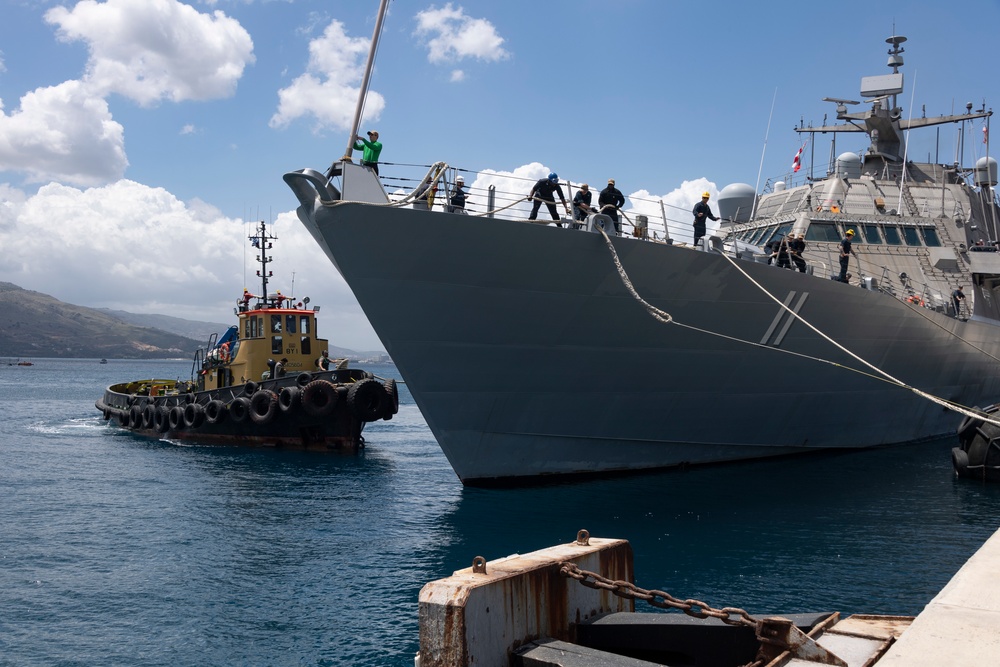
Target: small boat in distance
<point>597,352</point>
<point>104,361</point>
<point>239,394</point>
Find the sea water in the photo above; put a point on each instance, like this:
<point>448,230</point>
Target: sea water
<point>121,550</point>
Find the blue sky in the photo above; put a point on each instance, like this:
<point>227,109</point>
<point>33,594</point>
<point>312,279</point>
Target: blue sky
<point>138,137</point>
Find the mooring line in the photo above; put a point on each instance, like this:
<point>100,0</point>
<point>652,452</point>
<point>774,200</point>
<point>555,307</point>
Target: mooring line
<point>880,375</point>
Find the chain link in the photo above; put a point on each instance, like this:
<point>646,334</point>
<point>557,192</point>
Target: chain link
<point>661,599</point>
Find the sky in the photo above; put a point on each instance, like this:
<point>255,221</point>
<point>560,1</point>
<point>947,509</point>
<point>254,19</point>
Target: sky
<point>141,139</point>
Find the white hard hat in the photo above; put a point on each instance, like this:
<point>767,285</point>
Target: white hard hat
<point>460,179</point>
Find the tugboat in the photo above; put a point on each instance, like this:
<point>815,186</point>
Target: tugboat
<point>267,381</point>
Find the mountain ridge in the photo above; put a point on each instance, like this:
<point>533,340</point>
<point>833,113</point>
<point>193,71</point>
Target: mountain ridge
<point>39,325</point>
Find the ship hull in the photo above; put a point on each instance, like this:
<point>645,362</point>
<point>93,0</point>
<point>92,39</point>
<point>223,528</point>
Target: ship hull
<point>529,357</point>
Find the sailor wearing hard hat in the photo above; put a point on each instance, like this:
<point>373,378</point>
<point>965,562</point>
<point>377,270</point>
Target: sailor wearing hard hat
<point>702,211</point>
<point>845,255</point>
<point>456,202</point>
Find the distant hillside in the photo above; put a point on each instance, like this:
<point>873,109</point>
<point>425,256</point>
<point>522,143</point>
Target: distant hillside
<point>38,325</point>
<point>199,331</point>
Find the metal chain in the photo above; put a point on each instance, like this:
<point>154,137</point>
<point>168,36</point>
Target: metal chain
<point>661,599</point>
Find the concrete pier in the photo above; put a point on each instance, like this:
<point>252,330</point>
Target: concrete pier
<point>521,610</point>
<point>961,625</point>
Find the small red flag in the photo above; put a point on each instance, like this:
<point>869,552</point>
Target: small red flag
<point>797,162</point>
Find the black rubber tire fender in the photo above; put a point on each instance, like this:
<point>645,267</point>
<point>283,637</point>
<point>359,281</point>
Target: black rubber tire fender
<point>239,409</point>
<point>176,417</point>
<point>263,406</point>
<point>960,461</point>
<point>161,420</point>
<point>250,388</point>
<point>135,416</point>
<point>319,398</point>
<point>215,411</point>
<point>288,398</point>
<point>194,415</point>
<point>304,378</point>
<point>148,415</point>
<point>122,417</point>
<point>365,398</point>
<point>392,399</point>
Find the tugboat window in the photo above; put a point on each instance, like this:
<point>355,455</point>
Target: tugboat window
<point>931,237</point>
<point>304,328</point>
<point>911,236</point>
<point>892,236</point>
<point>275,323</point>
<point>872,234</point>
<point>290,323</point>
<point>306,345</point>
<point>276,347</point>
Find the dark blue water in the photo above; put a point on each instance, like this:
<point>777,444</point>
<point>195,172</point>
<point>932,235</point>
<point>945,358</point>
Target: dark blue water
<point>116,550</point>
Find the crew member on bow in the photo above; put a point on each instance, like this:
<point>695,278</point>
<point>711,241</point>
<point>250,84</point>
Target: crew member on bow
<point>701,212</point>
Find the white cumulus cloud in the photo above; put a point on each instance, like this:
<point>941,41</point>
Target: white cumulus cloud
<point>128,246</point>
<point>156,49</point>
<point>328,90</point>
<point>65,133</point>
<point>451,35</point>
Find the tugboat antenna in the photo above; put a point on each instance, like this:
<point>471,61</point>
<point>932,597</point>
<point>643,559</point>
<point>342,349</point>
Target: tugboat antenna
<point>262,241</point>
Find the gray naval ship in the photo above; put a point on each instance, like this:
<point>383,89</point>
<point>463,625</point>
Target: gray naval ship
<point>535,351</point>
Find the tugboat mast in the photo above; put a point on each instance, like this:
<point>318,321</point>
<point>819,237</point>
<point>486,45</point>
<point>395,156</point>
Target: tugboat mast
<point>262,241</point>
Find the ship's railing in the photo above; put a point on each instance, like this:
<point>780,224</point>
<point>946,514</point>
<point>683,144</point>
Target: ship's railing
<point>503,195</point>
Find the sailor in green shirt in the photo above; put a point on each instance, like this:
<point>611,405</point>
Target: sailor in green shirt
<point>371,148</point>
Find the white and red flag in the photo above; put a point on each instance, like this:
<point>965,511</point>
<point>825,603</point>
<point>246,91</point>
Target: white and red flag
<point>797,162</point>
<point>986,135</point>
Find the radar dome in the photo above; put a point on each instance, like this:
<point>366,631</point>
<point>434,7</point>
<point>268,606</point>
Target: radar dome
<point>986,171</point>
<point>736,202</point>
<point>849,165</point>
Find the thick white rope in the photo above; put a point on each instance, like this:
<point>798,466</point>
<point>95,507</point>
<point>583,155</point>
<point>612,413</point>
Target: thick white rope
<point>878,374</point>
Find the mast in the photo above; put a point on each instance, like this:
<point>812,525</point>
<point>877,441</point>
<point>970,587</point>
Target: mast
<point>262,241</point>
<point>363,93</point>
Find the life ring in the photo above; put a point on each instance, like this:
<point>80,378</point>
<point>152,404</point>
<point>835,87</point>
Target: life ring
<point>161,419</point>
<point>239,409</point>
<point>215,411</point>
<point>288,398</point>
<point>250,388</point>
<point>365,399</point>
<point>135,416</point>
<point>263,406</point>
<point>302,379</point>
<point>194,415</point>
<point>175,417</point>
<point>148,414</point>
<point>392,399</point>
<point>319,398</point>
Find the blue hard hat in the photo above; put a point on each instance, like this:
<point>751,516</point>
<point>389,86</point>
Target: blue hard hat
<point>553,176</point>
